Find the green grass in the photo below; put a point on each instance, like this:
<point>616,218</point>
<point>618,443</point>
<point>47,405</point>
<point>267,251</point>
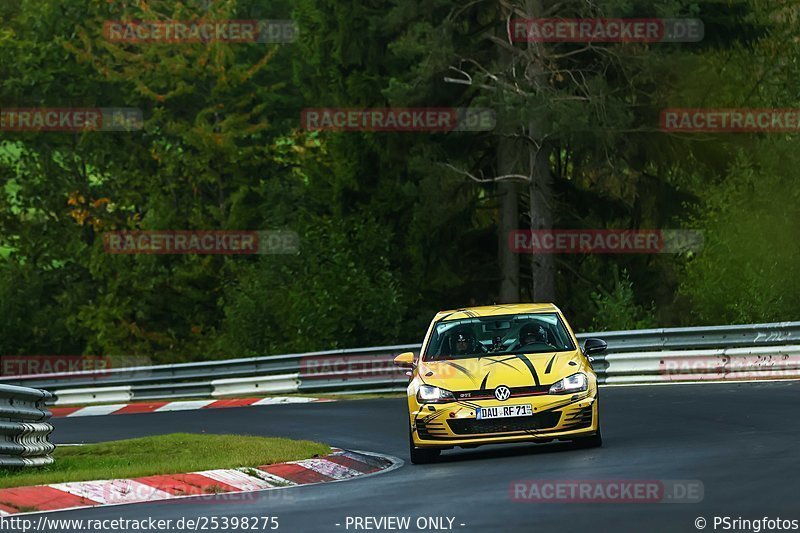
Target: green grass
<point>166,454</point>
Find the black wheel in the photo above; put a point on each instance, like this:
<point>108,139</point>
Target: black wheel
<point>593,441</point>
<point>421,456</point>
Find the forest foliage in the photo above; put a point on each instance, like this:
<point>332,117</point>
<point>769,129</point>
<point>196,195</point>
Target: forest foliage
<point>392,228</point>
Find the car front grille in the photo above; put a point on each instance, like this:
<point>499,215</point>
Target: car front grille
<point>472,426</point>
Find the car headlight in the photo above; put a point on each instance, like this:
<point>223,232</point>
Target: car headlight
<point>574,383</point>
<point>430,394</point>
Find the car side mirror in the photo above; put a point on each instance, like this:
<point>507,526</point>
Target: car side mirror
<point>405,360</point>
<point>593,345</point>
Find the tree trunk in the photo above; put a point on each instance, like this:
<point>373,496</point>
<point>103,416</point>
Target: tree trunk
<point>541,202</point>
<point>509,220</point>
<point>508,162</point>
<point>541,179</point>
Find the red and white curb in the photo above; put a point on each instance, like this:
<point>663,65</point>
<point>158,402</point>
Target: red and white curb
<point>338,466</point>
<point>163,407</point>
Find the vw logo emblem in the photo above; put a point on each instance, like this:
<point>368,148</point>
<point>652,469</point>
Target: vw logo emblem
<point>502,393</point>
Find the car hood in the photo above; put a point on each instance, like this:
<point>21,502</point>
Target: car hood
<point>490,371</point>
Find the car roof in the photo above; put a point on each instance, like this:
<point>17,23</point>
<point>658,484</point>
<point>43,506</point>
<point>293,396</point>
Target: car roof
<point>495,310</point>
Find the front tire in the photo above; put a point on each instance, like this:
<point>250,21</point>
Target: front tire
<point>593,441</point>
<point>421,456</point>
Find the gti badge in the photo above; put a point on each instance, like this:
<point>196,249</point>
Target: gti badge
<point>502,393</point>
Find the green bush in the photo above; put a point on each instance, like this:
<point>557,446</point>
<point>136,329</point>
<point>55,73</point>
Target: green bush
<point>618,310</point>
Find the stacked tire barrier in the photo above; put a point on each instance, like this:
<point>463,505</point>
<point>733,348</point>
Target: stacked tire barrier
<point>716,353</point>
<point>24,429</point>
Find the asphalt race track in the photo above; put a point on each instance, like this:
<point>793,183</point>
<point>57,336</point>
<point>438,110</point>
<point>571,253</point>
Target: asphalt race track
<point>740,440</point>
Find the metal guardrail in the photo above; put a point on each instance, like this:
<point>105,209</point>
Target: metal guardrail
<point>24,429</point>
<point>631,356</point>
<point>149,378</point>
<point>723,364</point>
<point>773,334</point>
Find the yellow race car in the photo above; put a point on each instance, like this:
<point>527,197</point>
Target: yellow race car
<point>497,374</point>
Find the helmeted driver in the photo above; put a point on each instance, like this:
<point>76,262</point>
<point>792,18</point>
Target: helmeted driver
<point>532,333</point>
<point>463,342</point>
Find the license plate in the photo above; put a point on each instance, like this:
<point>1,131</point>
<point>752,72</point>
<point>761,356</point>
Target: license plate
<point>504,411</point>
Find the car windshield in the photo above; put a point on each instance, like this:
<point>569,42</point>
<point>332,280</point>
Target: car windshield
<point>510,334</point>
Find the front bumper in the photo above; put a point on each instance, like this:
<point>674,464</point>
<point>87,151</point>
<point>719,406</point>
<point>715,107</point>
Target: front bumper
<point>554,417</point>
